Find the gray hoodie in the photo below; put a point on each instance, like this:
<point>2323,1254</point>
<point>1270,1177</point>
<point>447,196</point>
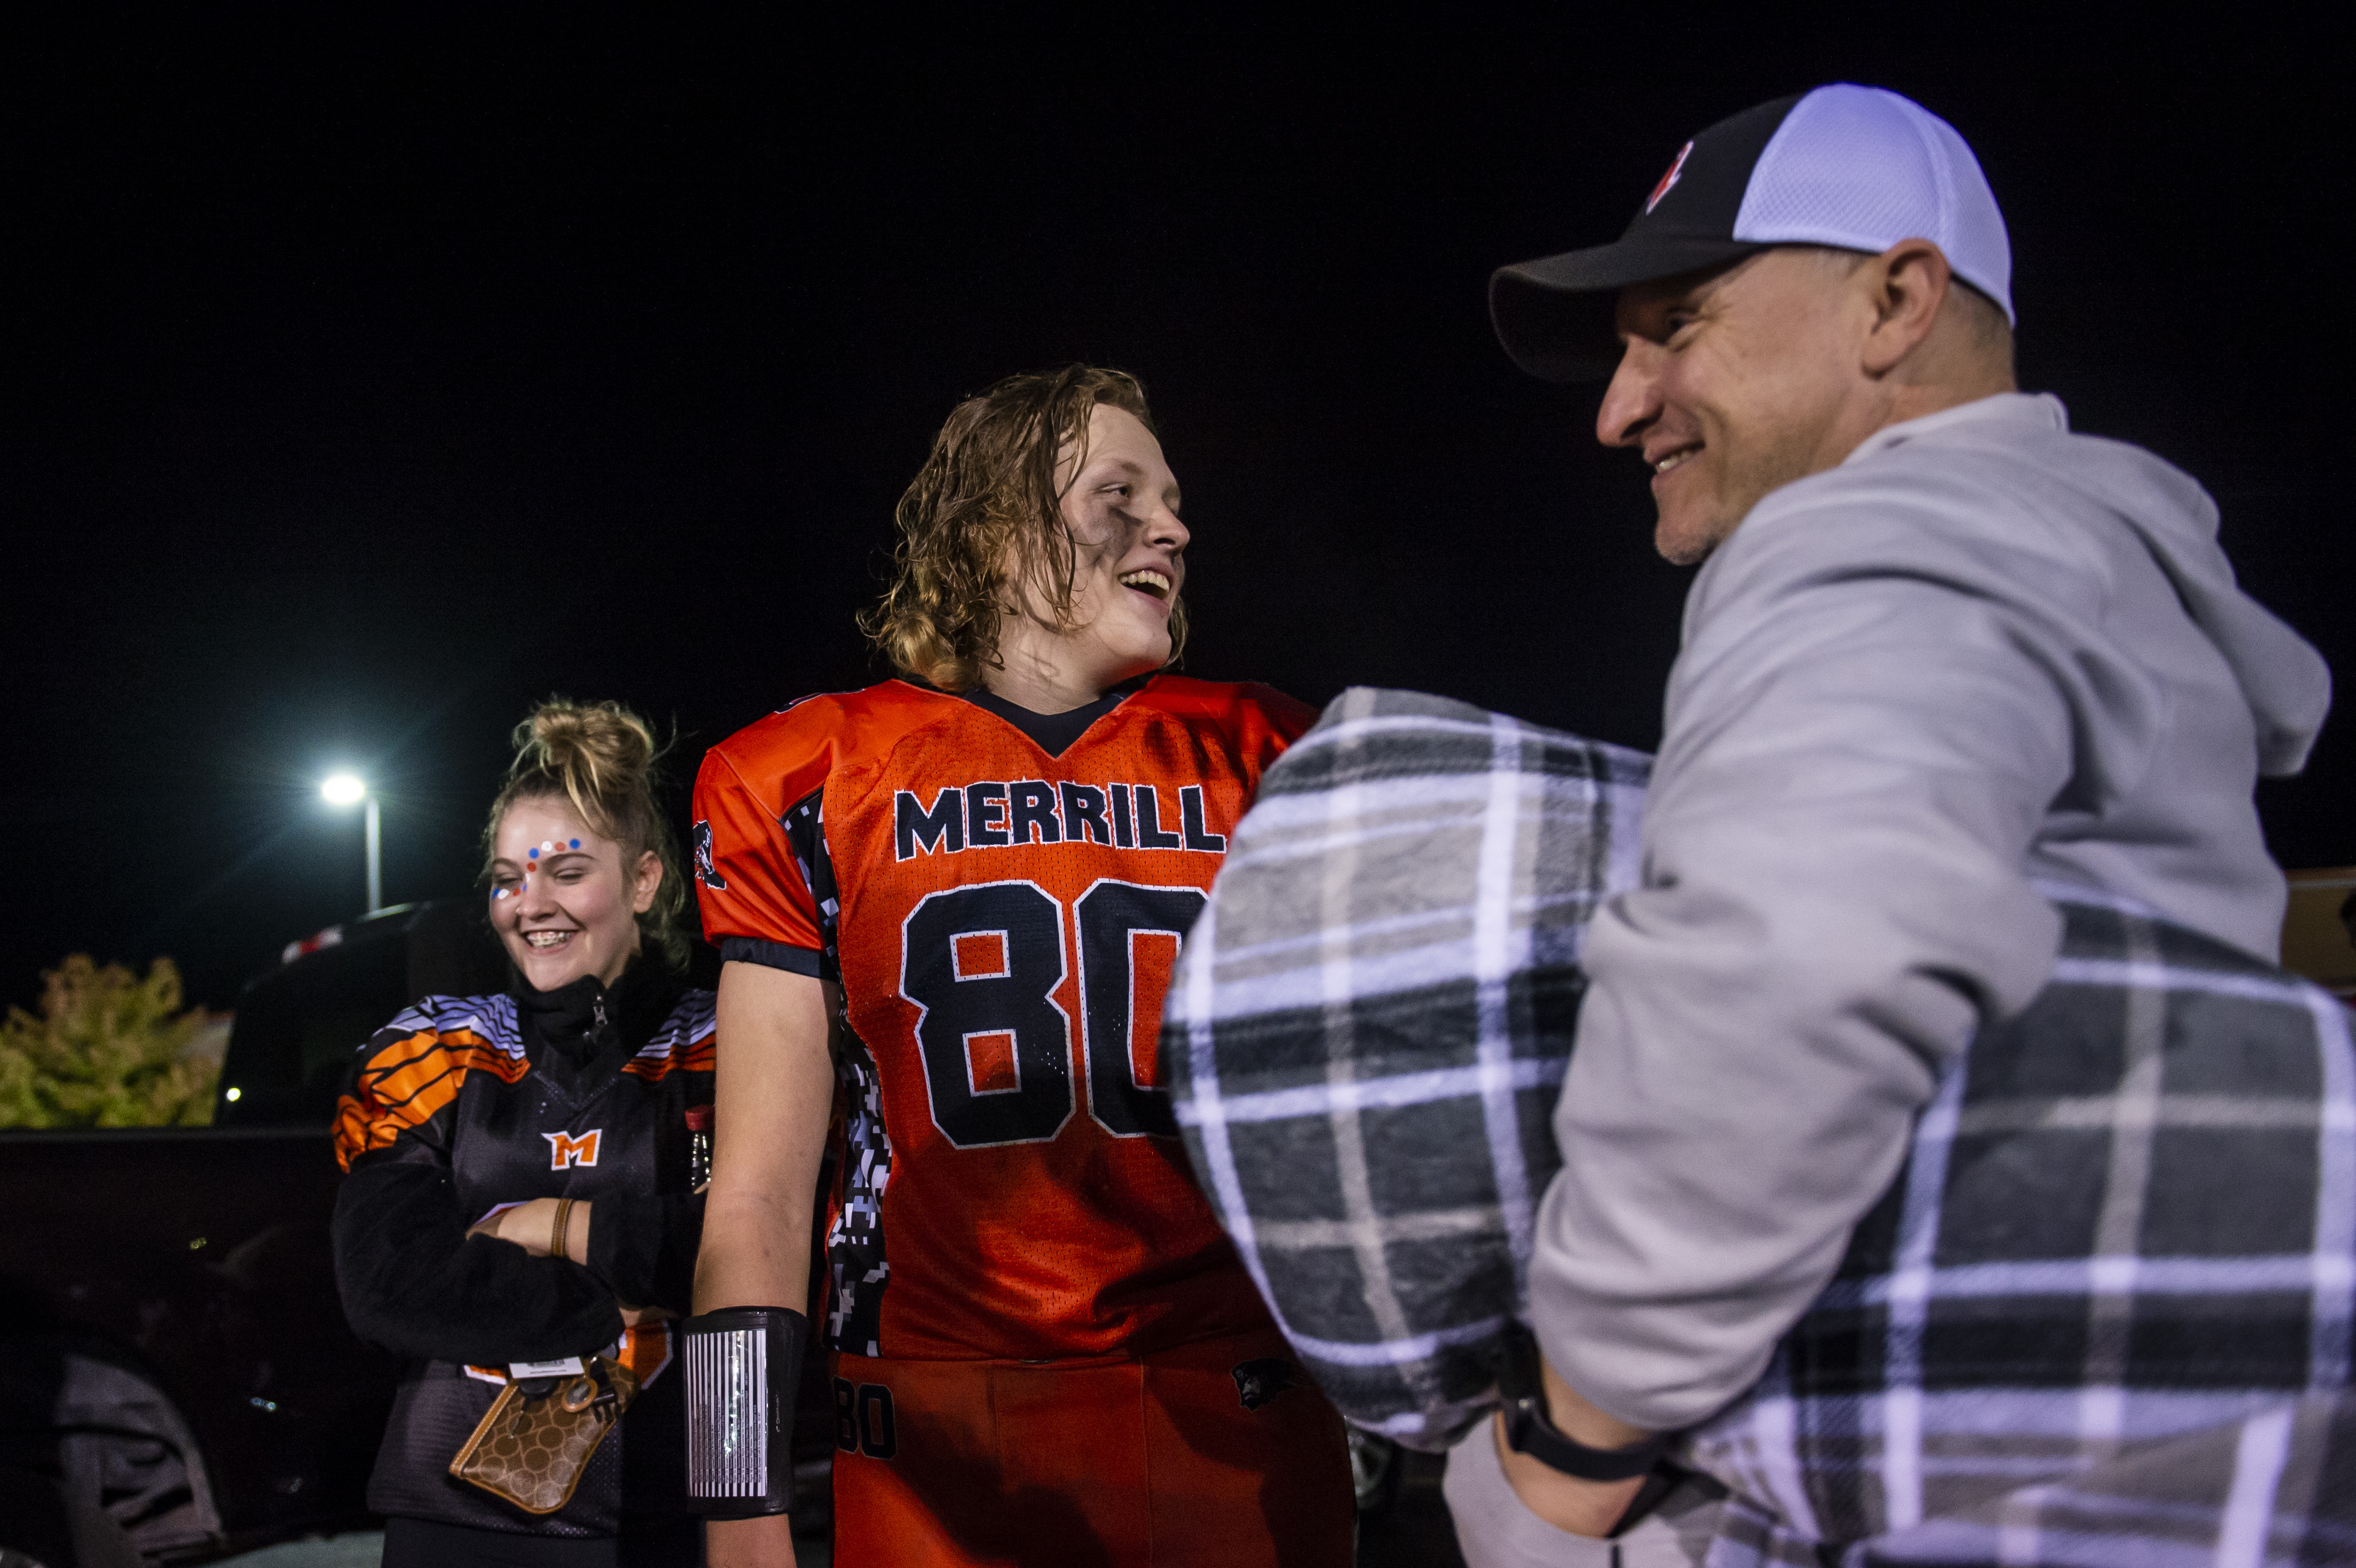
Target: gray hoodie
<point>1981,653</point>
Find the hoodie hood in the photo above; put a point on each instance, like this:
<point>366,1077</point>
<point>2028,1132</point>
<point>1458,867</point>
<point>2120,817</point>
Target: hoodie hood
<point>2285,681</point>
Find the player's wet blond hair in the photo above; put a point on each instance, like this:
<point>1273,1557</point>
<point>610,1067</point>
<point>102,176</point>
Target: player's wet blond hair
<point>984,516</point>
<point>602,757</point>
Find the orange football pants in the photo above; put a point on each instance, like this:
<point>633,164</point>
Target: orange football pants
<point>1221,1453</point>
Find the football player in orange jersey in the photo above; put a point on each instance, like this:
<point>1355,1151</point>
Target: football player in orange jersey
<point>961,893</point>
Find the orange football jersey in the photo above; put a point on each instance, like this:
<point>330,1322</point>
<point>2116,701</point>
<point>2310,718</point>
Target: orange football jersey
<point>1003,922</point>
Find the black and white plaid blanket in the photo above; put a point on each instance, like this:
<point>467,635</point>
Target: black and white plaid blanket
<point>2101,1316</point>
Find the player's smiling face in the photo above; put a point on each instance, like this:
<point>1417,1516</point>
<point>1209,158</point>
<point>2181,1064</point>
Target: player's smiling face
<point>1732,384</point>
<point>1129,550</point>
<point>561,901</point>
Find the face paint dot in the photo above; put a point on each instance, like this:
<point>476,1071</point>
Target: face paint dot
<point>576,843</point>
<point>533,855</point>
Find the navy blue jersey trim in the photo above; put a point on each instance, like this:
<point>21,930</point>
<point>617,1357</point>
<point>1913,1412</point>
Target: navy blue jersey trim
<point>857,1268</point>
<point>1054,734</point>
<point>805,828</point>
<point>771,955</point>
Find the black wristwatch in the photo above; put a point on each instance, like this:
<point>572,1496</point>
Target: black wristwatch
<point>1528,1430</point>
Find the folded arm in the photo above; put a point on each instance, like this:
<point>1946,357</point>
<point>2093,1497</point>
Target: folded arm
<point>1834,899</point>
<point>416,1279</point>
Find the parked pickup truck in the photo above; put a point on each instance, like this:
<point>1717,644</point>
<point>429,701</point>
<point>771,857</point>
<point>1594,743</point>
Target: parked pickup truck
<point>177,1380</point>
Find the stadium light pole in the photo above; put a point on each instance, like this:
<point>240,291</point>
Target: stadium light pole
<point>349,789</point>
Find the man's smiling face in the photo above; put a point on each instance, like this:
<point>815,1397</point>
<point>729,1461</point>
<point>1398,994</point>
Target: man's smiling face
<point>1734,383</point>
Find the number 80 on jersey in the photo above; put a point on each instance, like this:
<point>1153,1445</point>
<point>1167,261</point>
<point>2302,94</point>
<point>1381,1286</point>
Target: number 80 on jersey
<point>982,964</point>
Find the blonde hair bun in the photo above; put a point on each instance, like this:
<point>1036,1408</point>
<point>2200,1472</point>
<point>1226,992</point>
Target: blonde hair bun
<point>601,752</point>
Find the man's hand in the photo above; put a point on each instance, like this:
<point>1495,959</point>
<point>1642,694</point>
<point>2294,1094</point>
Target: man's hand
<point>1565,1502</point>
<point>766,1543</point>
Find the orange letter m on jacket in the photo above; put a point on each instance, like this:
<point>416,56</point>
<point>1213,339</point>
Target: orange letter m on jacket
<point>565,1149</point>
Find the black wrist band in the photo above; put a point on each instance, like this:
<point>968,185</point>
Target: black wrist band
<point>742,1365</point>
<point>1528,1431</point>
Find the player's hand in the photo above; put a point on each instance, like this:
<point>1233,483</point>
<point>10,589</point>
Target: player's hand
<point>765,1542</point>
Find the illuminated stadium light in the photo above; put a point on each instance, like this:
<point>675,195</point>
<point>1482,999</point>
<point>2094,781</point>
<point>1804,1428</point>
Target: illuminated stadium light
<point>350,789</point>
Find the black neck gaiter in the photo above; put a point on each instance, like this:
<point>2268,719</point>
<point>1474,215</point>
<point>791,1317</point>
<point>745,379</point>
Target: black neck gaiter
<point>572,1031</point>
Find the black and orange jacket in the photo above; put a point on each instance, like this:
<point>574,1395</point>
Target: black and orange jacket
<point>462,1104</point>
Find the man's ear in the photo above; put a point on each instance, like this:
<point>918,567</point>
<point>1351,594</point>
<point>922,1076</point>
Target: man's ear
<point>1908,283</point>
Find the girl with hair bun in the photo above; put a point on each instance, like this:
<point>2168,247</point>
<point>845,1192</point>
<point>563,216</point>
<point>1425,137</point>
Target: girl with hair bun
<point>523,1203</point>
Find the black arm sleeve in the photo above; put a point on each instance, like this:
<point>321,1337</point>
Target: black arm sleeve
<point>415,1282</point>
<point>643,1248</point>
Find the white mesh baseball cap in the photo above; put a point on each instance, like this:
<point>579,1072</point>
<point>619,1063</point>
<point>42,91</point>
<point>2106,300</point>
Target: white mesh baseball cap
<point>1855,168</point>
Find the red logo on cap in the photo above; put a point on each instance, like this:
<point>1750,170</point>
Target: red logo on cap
<point>1668,180</point>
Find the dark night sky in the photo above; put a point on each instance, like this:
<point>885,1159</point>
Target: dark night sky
<point>366,383</point>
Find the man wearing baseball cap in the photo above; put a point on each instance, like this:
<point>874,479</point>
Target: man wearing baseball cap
<point>1943,652</point>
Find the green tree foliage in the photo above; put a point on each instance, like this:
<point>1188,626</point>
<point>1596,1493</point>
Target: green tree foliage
<point>109,1049</point>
